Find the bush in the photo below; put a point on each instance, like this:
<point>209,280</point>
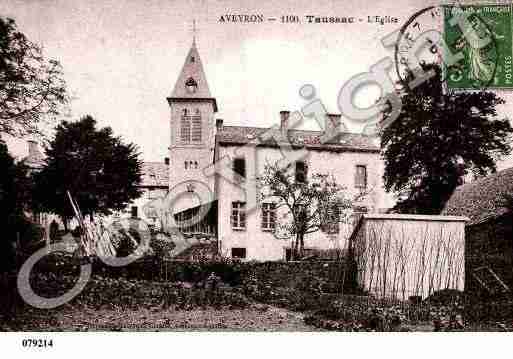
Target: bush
<point>123,293</point>
<point>161,245</point>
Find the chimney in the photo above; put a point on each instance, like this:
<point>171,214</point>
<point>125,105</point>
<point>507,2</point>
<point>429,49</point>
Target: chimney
<point>166,161</point>
<point>33,149</point>
<point>332,129</point>
<point>284,118</point>
<point>219,124</point>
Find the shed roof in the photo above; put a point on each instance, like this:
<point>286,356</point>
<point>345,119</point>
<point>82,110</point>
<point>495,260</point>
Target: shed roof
<point>481,200</point>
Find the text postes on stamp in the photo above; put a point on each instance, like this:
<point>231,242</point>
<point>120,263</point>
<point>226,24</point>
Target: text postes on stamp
<point>482,34</point>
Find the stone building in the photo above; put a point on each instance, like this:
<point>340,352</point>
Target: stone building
<point>489,233</point>
<point>199,143</point>
<point>35,159</point>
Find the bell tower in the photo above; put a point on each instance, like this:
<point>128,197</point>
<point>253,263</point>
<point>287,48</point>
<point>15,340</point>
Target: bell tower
<point>192,127</point>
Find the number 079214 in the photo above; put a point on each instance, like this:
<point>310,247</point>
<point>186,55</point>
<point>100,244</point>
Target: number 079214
<point>37,343</point>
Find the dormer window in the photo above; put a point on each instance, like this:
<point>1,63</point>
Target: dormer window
<point>191,85</point>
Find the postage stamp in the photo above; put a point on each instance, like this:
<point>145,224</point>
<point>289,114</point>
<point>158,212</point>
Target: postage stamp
<point>487,55</point>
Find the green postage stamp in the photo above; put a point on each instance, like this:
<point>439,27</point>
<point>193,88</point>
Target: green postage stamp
<point>487,57</point>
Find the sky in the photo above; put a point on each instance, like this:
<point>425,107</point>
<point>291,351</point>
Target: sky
<point>121,58</point>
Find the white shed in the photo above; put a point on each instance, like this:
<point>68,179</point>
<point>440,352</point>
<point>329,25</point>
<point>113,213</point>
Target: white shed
<point>399,256</point>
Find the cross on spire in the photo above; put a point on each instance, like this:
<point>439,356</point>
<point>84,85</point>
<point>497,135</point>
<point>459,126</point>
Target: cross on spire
<point>194,30</point>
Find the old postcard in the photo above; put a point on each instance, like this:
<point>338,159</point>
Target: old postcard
<point>292,166</point>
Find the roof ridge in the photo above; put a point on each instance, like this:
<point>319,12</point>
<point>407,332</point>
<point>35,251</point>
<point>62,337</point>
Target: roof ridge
<point>295,129</point>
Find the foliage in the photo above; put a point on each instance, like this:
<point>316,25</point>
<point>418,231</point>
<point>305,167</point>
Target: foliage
<point>161,245</point>
<point>437,138</point>
<point>15,185</point>
<point>15,189</point>
<point>125,242</point>
<point>133,293</point>
<point>32,88</point>
<point>100,170</point>
<point>309,206</point>
<point>300,286</point>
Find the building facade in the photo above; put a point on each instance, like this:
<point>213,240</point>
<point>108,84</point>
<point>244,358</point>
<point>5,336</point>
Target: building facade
<point>200,145</point>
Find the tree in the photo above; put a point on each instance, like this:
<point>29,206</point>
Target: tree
<point>101,172</point>
<point>15,187</point>
<point>32,88</point>
<point>314,203</point>
<point>437,138</point>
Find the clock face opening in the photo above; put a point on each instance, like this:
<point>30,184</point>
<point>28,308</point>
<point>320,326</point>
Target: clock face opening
<point>191,85</point>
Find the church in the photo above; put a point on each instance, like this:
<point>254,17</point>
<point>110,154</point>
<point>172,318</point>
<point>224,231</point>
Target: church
<point>218,206</point>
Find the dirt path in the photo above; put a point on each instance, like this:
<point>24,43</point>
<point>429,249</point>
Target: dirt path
<point>257,318</point>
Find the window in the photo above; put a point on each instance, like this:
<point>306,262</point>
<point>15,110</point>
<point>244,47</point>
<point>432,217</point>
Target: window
<point>238,217</point>
<point>358,212</point>
<point>133,212</point>
<point>239,167</point>
<point>239,253</point>
<point>191,85</point>
<point>301,172</point>
<point>191,165</point>
<point>196,127</point>
<point>190,127</point>
<point>360,181</point>
<point>268,216</point>
<point>331,220</point>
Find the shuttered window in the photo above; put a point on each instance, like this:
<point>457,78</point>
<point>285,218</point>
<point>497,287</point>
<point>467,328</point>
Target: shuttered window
<point>268,216</point>
<point>238,215</point>
<point>361,177</point>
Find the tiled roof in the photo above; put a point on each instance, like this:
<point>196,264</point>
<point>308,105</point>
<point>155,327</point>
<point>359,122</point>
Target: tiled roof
<point>481,200</point>
<point>240,135</point>
<point>155,174</point>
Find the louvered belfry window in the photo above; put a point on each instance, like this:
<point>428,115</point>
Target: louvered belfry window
<point>190,127</point>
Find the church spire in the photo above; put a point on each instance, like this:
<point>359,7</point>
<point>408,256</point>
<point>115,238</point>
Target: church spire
<point>192,82</point>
